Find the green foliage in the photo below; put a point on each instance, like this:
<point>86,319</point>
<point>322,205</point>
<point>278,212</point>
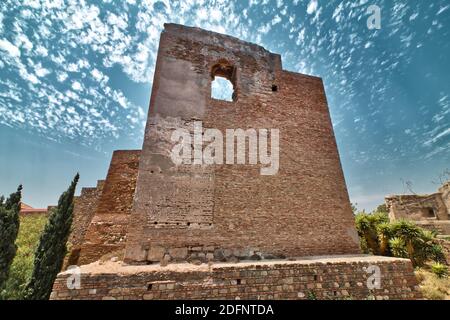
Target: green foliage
<point>401,238</point>
<point>367,227</point>
<point>382,208</point>
<point>398,247</point>
<point>31,227</point>
<point>49,255</point>
<point>439,269</point>
<point>354,207</point>
<point>9,228</point>
<point>311,295</point>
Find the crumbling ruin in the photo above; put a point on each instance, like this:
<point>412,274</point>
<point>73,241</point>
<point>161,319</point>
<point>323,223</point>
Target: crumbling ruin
<point>225,230</point>
<point>431,211</point>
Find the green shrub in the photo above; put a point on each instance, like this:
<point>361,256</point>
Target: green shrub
<point>367,227</point>
<point>400,238</point>
<point>9,229</point>
<point>439,269</point>
<point>398,248</point>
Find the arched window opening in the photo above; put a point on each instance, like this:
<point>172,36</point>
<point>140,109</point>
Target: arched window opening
<point>223,84</point>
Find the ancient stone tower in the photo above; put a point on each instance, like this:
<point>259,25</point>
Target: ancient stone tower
<point>160,219</point>
<point>302,210</point>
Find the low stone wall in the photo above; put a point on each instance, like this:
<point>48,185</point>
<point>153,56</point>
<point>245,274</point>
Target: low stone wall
<point>343,277</point>
<point>441,227</point>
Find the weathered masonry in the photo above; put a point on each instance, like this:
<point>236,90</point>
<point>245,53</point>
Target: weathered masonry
<point>164,222</point>
<point>431,211</point>
<point>314,278</point>
<point>302,210</point>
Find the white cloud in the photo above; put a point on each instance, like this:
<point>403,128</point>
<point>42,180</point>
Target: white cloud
<point>9,48</point>
<point>23,41</point>
<point>61,76</point>
<point>265,28</point>
<point>215,14</point>
<point>442,9</point>
<point>1,22</point>
<point>41,51</point>
<point>440,135</point>
<point>202,14</point>
<point>40,71</point>
<point>312,7</point>
<point>76,86</point>
<point>119,21</point>
<point>28,76</point>
<point>99,76</point>
<point>276,20</point>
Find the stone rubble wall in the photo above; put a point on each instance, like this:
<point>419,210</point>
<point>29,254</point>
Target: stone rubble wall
<point>316,278</point>
<point>441,227</point>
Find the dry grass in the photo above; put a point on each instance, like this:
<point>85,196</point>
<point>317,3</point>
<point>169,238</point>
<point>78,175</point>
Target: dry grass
<point>432,287</point>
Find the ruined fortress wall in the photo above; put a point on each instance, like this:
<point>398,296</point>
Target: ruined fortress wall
<point>85,206</point>
<point>441,227</point>
<point>107,229</point>
<point>417,207</point>
<point>215,210</point>
<point>321,278</point>
<point>445,192</point>
<point>84,209</point>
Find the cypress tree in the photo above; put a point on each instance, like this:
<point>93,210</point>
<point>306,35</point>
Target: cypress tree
<point>49,255</point>
<point>9,228</point>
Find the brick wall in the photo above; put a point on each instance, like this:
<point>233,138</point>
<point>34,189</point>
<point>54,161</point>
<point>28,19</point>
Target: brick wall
<point>107,230</point>
<point>85,206</point>
<point>303,210</point>
<point>319,278</point>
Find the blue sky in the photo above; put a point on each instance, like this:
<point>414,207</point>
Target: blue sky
<point>76,79</point>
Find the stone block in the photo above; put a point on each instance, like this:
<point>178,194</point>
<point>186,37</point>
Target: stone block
<point>156,253</point>
<point>178,253</point>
